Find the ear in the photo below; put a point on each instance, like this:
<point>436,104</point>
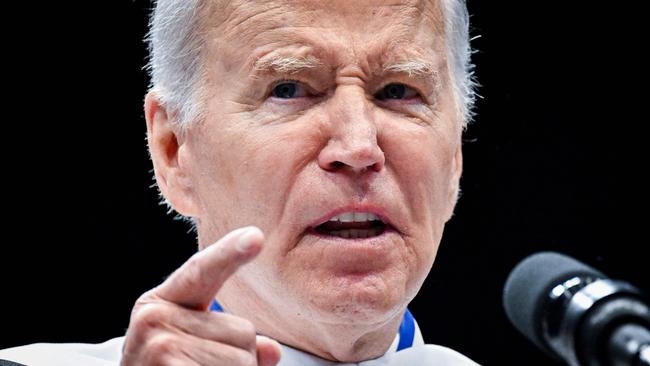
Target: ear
<point>454,184</point>
<point>168,154</point>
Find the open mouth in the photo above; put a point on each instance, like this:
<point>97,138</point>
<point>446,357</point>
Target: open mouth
<point>352,225</point>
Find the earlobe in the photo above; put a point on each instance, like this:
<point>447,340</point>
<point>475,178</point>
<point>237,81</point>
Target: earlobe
<point>166,147</point>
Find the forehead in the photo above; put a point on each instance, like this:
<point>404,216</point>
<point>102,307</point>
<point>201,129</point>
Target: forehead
<point>344,28</point>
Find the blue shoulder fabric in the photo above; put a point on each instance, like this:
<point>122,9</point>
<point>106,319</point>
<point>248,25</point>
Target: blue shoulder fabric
<point>216,307</point>
<point>406,331</point>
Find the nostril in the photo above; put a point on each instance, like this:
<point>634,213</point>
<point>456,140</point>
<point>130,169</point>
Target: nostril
<point>376,167</point>
<point>337,165</point>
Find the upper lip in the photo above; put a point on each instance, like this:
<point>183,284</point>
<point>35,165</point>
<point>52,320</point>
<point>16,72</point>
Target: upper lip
<point>377,211</point>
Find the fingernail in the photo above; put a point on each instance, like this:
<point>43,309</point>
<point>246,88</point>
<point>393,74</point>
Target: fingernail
<point>246,239</point>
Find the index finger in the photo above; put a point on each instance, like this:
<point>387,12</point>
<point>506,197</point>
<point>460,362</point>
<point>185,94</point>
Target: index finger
<point>195,284</point>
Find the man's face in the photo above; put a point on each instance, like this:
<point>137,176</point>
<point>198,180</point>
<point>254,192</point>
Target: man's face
<point>318,113</point>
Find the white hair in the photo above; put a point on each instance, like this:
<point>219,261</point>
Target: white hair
<point>175,56</point>
<point>176,41</point>
<point>459,56</point>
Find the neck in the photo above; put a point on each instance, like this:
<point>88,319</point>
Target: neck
<point>335,342</point>
<point>350,344</point>
<point>335,339</point>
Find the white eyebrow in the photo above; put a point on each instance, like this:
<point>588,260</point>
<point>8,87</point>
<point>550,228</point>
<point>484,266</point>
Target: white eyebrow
<point>415,67</point>
<point>412,68</point>
<point>286,64</point>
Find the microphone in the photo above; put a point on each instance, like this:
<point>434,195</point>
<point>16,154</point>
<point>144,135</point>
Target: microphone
<point>575,313</point>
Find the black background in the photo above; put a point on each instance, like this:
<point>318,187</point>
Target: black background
<point>554,161</point>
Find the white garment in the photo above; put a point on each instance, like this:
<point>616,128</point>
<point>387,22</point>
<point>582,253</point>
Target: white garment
<point>109,354</point>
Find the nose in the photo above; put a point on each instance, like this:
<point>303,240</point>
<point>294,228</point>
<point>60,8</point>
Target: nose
<point>353,139</point>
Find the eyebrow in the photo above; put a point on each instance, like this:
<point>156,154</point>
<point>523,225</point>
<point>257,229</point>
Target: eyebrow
<point>416,67</point>
<point>283,64</point>
<point>412,67</point>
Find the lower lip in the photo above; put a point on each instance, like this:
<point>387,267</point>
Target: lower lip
<point>353,259</point>
<point>371,240</point>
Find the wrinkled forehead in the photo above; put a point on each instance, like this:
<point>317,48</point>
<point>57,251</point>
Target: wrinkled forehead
<point>375,24</point>
<point>280,11</point>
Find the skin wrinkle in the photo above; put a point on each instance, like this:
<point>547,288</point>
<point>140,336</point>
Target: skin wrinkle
<point>260,161</point>
<point>416,7</point>
<point>225,8</point>
<point>229,31</point>
<point>300,165</point>
<point>409,68</point>
<point>239,24</point>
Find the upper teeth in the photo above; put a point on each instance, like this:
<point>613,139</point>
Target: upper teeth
<point>355,217</point>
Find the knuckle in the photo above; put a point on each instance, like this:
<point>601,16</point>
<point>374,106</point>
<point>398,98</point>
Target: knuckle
<point>146,297</point>
<point>150,316</point>
<point>161,345</point>
<point>244,331</point>
<point>247,328</point>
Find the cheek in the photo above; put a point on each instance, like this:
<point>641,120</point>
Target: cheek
<point>249,171</point>
<point>421,160</point>
<point>276,159</point>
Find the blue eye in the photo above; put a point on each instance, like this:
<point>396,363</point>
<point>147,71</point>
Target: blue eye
<point>396,91</point>
<point>288,90</point>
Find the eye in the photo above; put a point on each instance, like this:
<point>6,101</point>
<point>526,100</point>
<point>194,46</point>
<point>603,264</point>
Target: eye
<point>396,91</point>
<point>288,89</point>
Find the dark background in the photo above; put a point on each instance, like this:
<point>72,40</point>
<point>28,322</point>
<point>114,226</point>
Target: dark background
<point>554,161</point>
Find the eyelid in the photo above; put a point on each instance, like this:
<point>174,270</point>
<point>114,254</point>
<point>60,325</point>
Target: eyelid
<point>308,90</point>
<point>415,89</point>
<point>281,81</point>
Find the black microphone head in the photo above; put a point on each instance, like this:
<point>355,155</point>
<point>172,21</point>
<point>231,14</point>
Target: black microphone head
<point>528,288</point>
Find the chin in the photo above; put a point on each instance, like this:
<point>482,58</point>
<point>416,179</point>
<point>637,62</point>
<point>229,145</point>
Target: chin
<point>355,299</point>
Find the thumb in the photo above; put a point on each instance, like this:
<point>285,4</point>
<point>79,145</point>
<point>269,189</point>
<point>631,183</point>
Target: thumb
<point>268,351</point>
